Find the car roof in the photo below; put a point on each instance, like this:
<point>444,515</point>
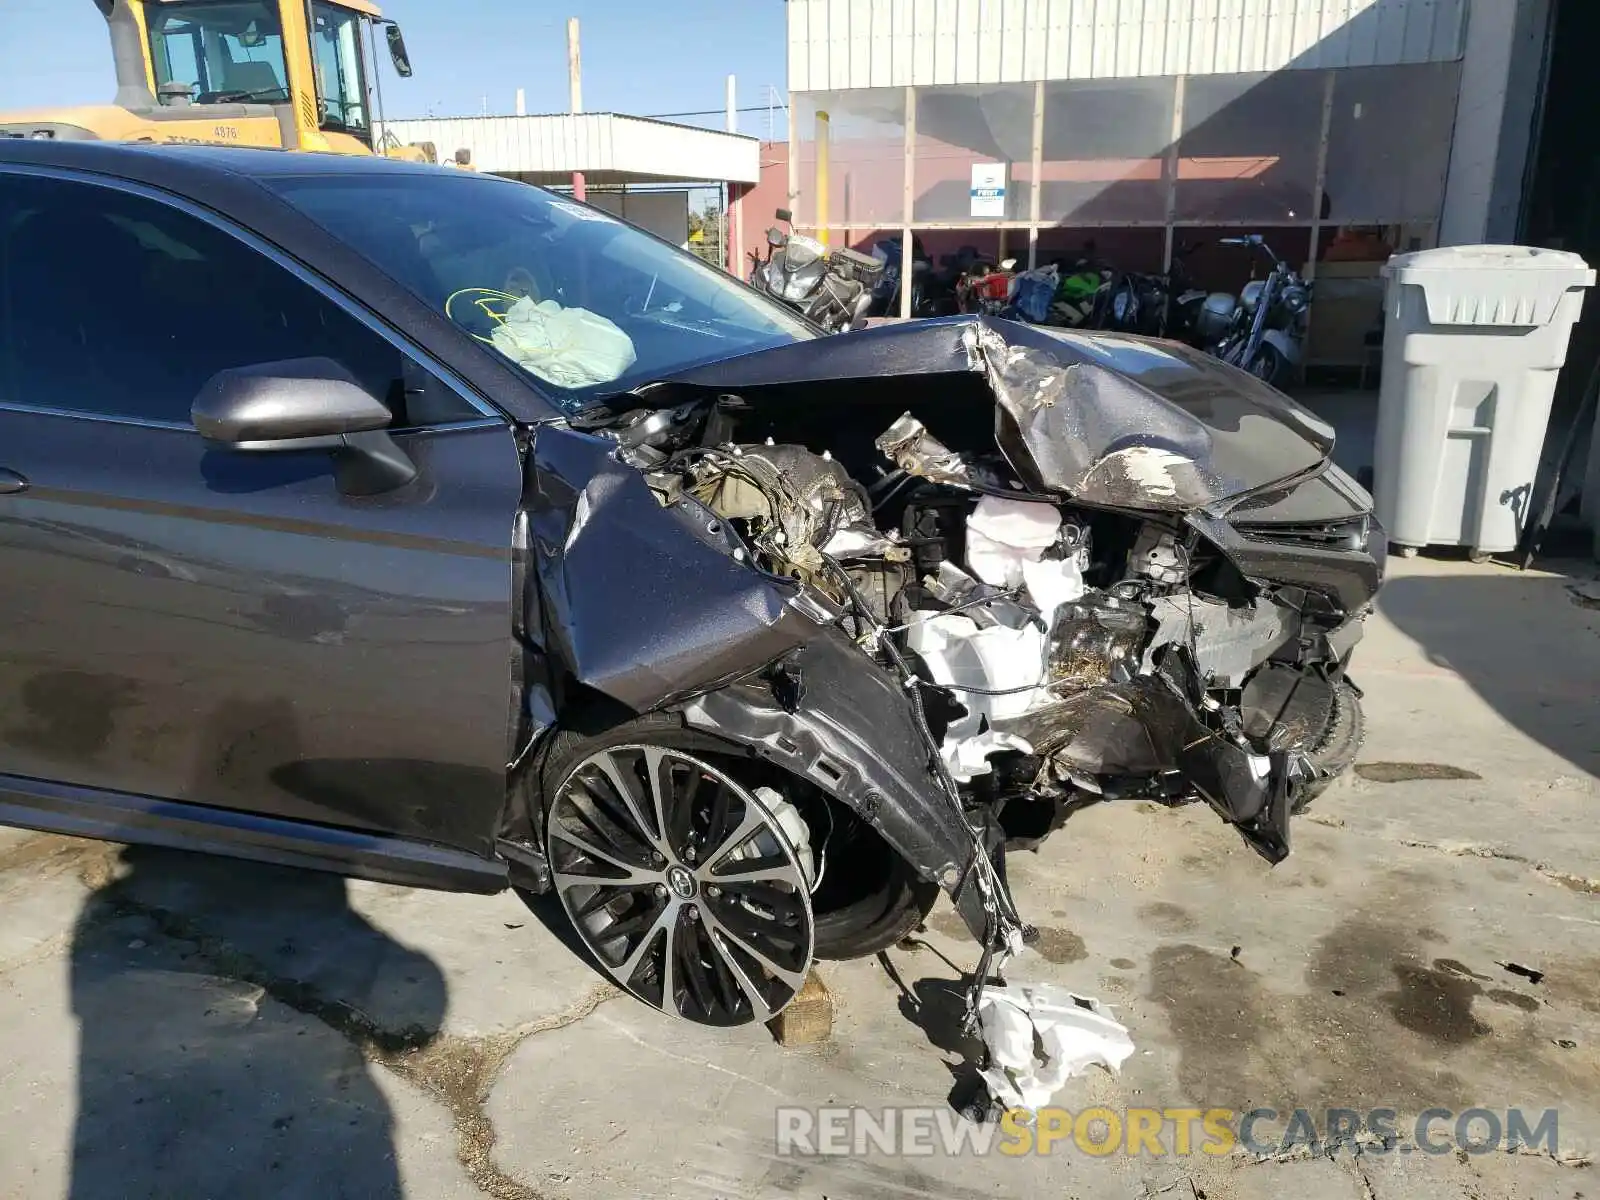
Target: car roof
<point>238,185</point>
<point>143,159</point>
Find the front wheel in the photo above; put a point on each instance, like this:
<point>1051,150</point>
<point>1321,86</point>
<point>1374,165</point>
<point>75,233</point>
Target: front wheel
<point>1269,365</point>
<point>1334,752</point>
<point>704,881</point>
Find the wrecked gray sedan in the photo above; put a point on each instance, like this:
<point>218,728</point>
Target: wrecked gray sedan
<point>485,540</point>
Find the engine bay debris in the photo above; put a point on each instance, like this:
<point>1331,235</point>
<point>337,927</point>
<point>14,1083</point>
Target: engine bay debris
<point>1036,569</point>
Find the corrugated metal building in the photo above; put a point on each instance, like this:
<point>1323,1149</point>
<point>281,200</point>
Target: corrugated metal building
<point>836,44</point>
<point>1147,124</point>
<point>609,148</point>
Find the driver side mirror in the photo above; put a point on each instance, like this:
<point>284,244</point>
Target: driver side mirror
<point>397,49</point>
<point>783,214</point>
<point>305,404</point>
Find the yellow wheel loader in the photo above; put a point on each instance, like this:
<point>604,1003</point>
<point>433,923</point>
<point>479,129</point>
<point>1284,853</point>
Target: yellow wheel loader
<point>292,74</point>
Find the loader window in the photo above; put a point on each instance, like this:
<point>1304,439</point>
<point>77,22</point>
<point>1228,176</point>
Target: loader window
<point>228,53</point>
<point>341,82</point>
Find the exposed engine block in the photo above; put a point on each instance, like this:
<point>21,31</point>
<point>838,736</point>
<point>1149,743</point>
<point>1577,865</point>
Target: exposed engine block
<point>1001,602</point>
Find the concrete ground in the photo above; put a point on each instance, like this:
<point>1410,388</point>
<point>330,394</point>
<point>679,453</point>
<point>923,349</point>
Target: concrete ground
<point>185,1027</point>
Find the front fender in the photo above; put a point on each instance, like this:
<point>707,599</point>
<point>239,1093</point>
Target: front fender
<point>1285,344</point>
<point>650,607</point>
<point>638,601</point>
<point>847,727</point>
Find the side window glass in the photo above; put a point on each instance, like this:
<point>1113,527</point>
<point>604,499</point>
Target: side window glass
<point>121,306</point>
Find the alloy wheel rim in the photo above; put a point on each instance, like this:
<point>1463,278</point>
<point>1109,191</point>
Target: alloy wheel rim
<point>681,883</point>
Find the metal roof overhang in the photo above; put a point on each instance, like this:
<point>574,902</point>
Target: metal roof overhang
<point>609,148</point>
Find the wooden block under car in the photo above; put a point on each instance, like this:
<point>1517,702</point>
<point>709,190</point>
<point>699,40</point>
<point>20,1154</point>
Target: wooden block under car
<point>809,1017</point>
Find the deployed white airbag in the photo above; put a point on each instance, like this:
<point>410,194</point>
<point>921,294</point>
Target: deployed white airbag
<point>570,347</point>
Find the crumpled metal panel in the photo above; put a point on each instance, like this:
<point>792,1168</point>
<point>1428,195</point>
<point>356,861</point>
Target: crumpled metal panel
<point>1108,419</point>
<point>1136,422</point>
<point>640,602</point>
<point>909,446</point>
<point>851,731</point>
<point>1092,433</point>
<point>1227,642</point>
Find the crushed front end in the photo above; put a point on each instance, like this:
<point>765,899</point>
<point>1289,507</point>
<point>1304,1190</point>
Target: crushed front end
<point>1006,573</point>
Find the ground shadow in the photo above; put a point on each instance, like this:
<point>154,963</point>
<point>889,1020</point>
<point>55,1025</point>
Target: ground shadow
<point>229,1014</point>
<point>1525,643</point>
<point>938,1007</point>
<point>546,906</point>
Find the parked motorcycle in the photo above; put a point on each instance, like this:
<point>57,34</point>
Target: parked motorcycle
<point>1184,300</point>
<point>1153,304</point>
<point>985,288</point>
<point>886,291</point>
<point>831,287</point>
<point>1262,329</point>
<point>1131,302</point>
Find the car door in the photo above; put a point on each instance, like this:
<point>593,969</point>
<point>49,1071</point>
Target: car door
<point>219,626</point>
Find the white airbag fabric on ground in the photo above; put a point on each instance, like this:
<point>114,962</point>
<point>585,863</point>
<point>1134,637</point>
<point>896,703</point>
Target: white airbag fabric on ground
<point>1006,541</point>
<point>1041,1035</point>
<point>570,347</point>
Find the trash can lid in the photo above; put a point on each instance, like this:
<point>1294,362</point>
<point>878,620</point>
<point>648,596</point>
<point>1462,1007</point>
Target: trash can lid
<point>1491,285</point>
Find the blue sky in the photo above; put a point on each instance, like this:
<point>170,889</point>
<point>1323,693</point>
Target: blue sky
<point>639,56</point>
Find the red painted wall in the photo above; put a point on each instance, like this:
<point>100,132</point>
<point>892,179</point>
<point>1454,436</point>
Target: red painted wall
<point>752,211</point>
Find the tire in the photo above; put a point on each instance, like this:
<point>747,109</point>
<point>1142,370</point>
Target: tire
<point>1269,366</point>
<point>867,897</point>
<point>867,917</point>
<point>1335,752</point>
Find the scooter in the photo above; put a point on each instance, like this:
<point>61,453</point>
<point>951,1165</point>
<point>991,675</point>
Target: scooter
<point>831,287</point>
<point>1263,329</point>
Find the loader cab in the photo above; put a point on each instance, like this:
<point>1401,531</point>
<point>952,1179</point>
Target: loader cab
<point>203,53</point>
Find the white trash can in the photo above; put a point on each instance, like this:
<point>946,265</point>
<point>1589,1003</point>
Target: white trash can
<point>1474,339</point>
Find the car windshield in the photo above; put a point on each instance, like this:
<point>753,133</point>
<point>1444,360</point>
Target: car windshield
<point>588,304</point>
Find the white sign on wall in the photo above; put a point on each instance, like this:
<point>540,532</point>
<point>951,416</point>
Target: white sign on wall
<point>989,189</point>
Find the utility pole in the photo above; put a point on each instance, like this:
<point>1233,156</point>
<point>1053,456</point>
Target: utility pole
<point>575,88</point>
<point>733,226</point>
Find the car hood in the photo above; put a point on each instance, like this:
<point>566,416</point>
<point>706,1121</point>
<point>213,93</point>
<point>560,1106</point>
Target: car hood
<point>1104,418</point>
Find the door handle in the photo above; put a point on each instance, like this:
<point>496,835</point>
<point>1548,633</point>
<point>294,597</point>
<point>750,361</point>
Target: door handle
<point>11,483</point>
